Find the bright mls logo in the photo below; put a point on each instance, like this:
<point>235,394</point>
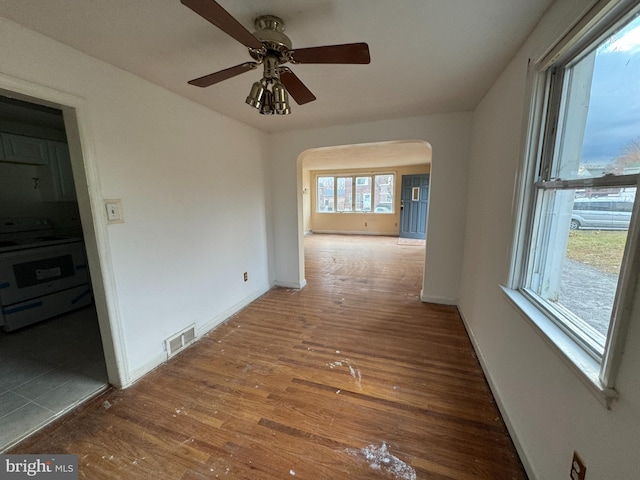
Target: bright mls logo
<point>50,467</point>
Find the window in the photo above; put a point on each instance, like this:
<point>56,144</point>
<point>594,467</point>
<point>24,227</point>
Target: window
<point>577,219</point>
<point>383,194</point>
<point>363,194</point>
<point>348,193</point>
<point>325,194</point>
<point>345,194</point>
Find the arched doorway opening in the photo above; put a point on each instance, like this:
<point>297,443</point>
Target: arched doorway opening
<point>367,209</point>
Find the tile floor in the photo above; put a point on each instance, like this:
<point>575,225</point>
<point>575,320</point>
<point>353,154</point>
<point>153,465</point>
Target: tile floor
<point>46,370</point>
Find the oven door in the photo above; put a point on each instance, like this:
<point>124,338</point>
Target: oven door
<point>35,272</point>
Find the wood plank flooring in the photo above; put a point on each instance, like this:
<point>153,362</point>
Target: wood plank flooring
<point>350,378</point>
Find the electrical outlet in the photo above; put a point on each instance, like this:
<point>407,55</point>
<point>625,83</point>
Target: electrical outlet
<point>246,276</point>
<point>578,470</point>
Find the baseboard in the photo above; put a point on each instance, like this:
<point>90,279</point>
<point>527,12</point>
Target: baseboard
<point>201,330</point>
<point>221,317</point>
<point>436,299</point>
<point>357,232</point>
<point>137,373</point>
<point>295,285</point>
<point>507,421</point>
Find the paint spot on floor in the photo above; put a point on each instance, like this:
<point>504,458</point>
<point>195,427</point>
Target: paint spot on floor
<point>354,371</point>
<point>357,376</point>
<point>379,458</point>
<point>292,473</point>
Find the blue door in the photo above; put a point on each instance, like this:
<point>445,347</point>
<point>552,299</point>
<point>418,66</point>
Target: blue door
<point>413,206</point>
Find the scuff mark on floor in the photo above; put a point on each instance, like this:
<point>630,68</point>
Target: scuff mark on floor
<point>357,376</point>
<point>353,370</point>
<point>379,458</point>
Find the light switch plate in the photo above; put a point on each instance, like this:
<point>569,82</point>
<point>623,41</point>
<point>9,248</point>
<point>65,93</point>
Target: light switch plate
<point>114,211</point>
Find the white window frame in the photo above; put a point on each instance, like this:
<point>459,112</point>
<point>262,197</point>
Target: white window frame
<point>597,372</point>
<point>370,177</point>
<point>347,195</point>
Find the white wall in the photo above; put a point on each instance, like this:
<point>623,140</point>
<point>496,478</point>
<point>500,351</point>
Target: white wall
<point>197,209</point>
<point>550,411</point>
<point>449,137</point>
<point>192,184</point>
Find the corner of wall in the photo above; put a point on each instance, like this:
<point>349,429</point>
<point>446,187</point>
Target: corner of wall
<point>437,299</point>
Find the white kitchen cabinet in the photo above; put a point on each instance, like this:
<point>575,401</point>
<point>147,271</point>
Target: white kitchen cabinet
<point>21,149</point>
<point>56,181</point>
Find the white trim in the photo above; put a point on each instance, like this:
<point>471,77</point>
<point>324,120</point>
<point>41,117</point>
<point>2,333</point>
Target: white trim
<point>200,331</point>
<point>624,299</point>
<point>603,12</point>
<point>522,206</point>
<point>586,368</point>
<point>336,174</point>
<point>437,299</point>
<point>226,314</point>
<point>139,372</point>
<point>598,376</point>
<point>77,123</point>
<point>528,466</point>
<point>295,285</point>
<point>356,232</point>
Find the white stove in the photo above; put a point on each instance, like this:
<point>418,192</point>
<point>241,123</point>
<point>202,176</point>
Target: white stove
<point>42,275</point>
<point>21,233</point>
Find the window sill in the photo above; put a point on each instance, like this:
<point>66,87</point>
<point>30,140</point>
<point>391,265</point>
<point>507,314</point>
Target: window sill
<point>355,212</point>
<point>581,363</point>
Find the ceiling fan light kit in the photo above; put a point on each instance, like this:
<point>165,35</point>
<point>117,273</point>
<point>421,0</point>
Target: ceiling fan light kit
<point>271,48</point>
<point>260,97</point>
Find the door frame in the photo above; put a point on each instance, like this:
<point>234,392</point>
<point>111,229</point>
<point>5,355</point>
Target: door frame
<point>86,178</point>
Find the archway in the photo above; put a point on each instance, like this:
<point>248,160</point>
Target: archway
<point>395,158</point>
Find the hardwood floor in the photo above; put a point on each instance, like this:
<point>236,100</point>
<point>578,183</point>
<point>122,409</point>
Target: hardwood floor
<point>350,378</point>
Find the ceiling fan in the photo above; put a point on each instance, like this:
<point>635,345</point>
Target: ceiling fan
<point>271,48</point>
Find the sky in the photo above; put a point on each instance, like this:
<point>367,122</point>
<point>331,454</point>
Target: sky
<point>614,109</point>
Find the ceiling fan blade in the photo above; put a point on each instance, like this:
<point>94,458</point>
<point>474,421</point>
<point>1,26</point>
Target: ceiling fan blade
<point>214,13</point>
<point>347,53</point>
<point>222,74</point>
<point>298,90</point>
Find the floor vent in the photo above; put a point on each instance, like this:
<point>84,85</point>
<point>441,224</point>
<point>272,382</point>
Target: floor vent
<point>180,341</point>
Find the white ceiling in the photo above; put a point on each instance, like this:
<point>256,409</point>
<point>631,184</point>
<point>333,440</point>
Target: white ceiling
<point>427,56</point>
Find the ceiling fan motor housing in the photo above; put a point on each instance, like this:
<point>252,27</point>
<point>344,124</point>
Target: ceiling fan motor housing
<point>269,30</point>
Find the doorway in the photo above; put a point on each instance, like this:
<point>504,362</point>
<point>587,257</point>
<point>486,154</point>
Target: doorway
<point>414,206</point>
<point>397,158</point>
<point>54,359</point>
